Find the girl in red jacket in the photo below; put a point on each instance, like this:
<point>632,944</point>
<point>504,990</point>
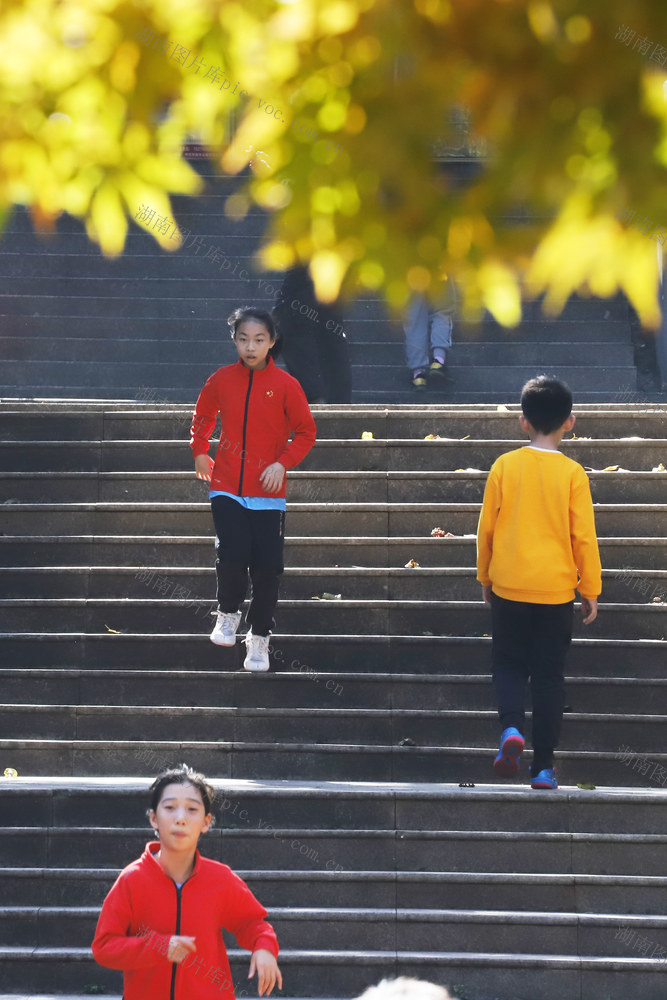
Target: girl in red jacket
<point>259,406</point>
<point>161,921</point>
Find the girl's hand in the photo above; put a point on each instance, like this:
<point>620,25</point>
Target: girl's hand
<point>180,947</point>
<point>263,962</point>
<point>272,477</point>
<point>204,467</point>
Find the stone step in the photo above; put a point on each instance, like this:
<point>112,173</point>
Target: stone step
<point>444,850</point>
<point>468,974</point>
<point>618,894</point>
<point>126,378</point>
<point>305,487</point>
<point>408,396</point>
<point>343,519</point>
<point>363,617</point>
<point>150,419</point>
<point>339,928</point>
<point>324,761</point>
<point>310,653</point>
<point>291,689</point>
<point>394,455</point>
<point>454,397</point>
<point>358,807</point>
<point>619,585</point>
<point>190,550</point>
<point>335,725</point>
<point>218,351</point>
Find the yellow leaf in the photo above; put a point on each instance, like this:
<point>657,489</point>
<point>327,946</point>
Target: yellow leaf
<point>108,218</point>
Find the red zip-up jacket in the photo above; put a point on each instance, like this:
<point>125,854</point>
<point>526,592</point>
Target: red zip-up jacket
<point>258,410</point>
<point>144,909</point>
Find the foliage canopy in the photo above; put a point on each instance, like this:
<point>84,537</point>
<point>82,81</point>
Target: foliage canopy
<point>346,98</point>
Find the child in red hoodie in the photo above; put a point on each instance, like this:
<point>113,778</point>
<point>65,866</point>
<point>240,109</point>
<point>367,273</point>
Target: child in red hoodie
<point>259,406</point>
<point>161,921</point>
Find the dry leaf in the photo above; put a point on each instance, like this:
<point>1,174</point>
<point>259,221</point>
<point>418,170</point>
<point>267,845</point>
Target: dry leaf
<point>412,564</point>
<point>501,408</point>
<point>465,437</point>
<point>327,597</point>
<point>438,533</point>
<point>11,772</point>
<point>659,468</point>
<point>432,437</point>
<point>114,631</point>
<point>367,435</point>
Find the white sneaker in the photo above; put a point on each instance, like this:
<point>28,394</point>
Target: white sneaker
<point>224,632</point>
<point>257,657</point>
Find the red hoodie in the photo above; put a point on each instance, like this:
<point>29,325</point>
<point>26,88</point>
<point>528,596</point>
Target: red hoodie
<point>144,909</point>
<point>258,410</point>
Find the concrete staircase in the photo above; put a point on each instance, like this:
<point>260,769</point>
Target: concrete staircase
<point>74,324</point>
<point>344,774</point>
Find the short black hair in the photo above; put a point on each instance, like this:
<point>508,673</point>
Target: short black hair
<point>546,403</point>
<point>182,775</point>
<point>244,313</point>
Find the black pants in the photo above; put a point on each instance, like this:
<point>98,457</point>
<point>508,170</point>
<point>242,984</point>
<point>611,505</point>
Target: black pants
<point>248,542</point>
<point>531,641</point>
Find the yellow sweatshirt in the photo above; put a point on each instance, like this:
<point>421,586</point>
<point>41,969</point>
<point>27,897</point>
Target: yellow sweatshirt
<point>537,529</point>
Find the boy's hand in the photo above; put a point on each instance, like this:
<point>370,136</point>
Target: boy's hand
<point>486,594</point>
<point>272,477</point>
<point>263,962</point>
<point>204,467</point>
<point>180,947</point>
<point>589,609</point>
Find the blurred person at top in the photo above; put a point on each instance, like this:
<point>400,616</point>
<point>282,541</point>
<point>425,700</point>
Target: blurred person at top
<point>428,336</point>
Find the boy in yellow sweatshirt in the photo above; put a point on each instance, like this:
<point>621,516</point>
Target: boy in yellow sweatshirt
<point>536,543</point>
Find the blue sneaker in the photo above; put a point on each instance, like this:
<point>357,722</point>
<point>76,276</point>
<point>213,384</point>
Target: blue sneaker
<point>507,760</point>
<point>545,779</point>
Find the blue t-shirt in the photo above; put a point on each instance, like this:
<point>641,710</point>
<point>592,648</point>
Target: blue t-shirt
<point>252,503</point>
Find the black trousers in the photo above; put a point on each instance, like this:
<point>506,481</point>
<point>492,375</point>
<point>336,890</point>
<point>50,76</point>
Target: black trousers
<point>530,641</point>
<point>248,543</point>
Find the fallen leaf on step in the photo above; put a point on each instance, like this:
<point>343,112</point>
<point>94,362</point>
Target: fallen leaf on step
<point>11,772</point>
<point>367,435</point>
<point>582,784</point>
<point>576,437</point>
<point>327,597</point>
<point>501,408</point>
<point>114,631</point>
<point>659,468</point>
<point>437,533</point>
<point>432,437</point>
<point>467,470</point>
<point>412,564</point>
<point>407,742</point>
<point>465,437</point>
<point>658,600</point>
